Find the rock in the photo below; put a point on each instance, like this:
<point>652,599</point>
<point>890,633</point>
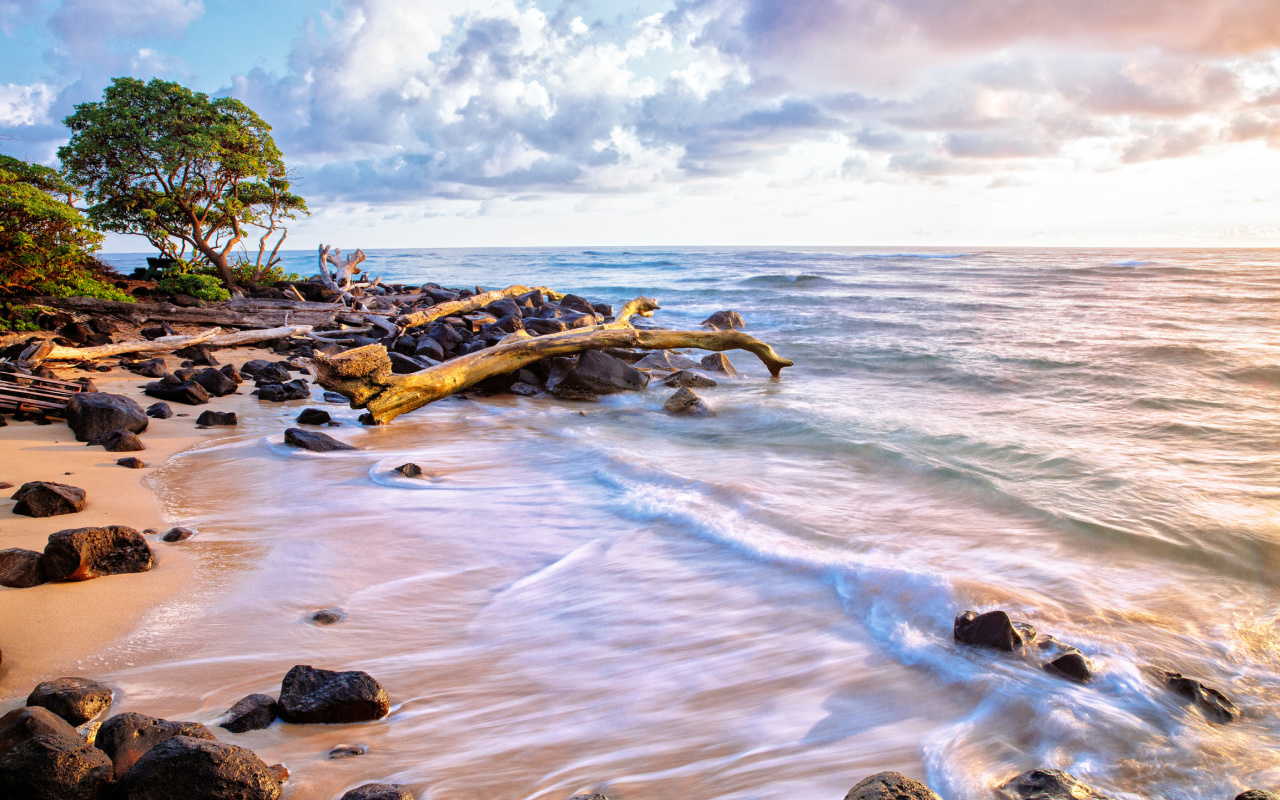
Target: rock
<point>177,535</point>
<point>156,332</point>
<point>159,411</point>
<point>283,392</point>
<point>1258,794</point>
<point>118,442</point>
<point>348,751</point>
<point>125,738</point>
<point>22,724</point>
<point>1212,702</point>
<point>309,695</point>
<point>588,797</point>
<point>54,768</point>
<point>132,462</point>
<point>725,321</point>
<point>410,470</point>
<point>1072,666</point>
<point>198,769</point>
<point>91,414</point>
<point>576,303</point>
<point>211,418</point>
<point>992,629</point>
<point>406,365</point>
<point>76,332</point>
<point>103,325</point>
<point>314,441</point>
<point>47,499</point>
<point>718,362</point>
<point>151,368</point>
<point>429,348</point>
<point>21,569</point>
<point>199,354</point>
<point>1049,784</point>
<point>216,382</point>
<point>379,791</point>
<point>664,360</point>
<point>186,392</point>
<point>334,397</point>
<point>891,786</point>
<point>84,553</point>
<point>251,713</point>
<point>542,327</point>
<point>685,402</point>
<point>280,772</point>
<point>326,616</point>
<point>230,371</point>
<point>266,371</point>
<point>77,700</point>
<point>688,379</point>
<point>523,389</point>
<point>597,374</point>
<point>89,731</point>
<point>313,416</point>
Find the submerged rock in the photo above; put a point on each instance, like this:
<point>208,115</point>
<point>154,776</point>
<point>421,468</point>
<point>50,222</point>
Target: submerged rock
<point>326,616</point>
<point>409,470</point>
<point>1073,666</point>
<point>314,441</point>
<point>725,321</point>
<point>719,363</point>
<point>21,569</point>
<point>1213,703</point>
<point>118,442</point>
<point>177,535</point>
<point>991,629</point>
<point>93,414</point>
<point>81,554</point>
<point>666,360</point>
<point>54,768</point>
<point>48,499</point>
<point>348,751</point>
<point>77,700</point>
<point>314,416</point>
<point>310,695</point>
<point>125,738</point>
<point>595,374</point>
<point>252,713</point>
<point>379,791</point>
<point>688,379</point>
<point>198,769</point>
<point>685,402</point>
<point>891,786</point>
<point>1049,784</point>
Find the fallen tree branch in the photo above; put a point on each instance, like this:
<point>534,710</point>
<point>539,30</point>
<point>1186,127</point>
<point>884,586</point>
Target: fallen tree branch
<point>164,344</point>
<point>472,303</point>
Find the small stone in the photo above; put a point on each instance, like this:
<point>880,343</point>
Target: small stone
<point>409,470</point>
<point>685,402</point>
<point>326,616</point>
<point>314,441</point>
<point>159,411</point>
<point>891,786</point>
<point>77,700</point>
<point>118,442</point>
<point>348,751</point>
<point>21,569</point>
<point>1072,666</point>
<point>334,397</point>
<point>719,363</point>
<point>252,713</point>
<point>47,499</point>
<point>280,772</point>
<point>177,535</point>
<point>210,418</point>
<point>132,462</point>
<point>89,731</point>
<point>379,791</point>
<point>314,416</point>
<point>992,629</point>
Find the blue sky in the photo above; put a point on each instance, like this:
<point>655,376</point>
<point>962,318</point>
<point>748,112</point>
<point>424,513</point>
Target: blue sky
<point>631,122</point>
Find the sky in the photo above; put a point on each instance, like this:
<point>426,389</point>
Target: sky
<point>709,122</point>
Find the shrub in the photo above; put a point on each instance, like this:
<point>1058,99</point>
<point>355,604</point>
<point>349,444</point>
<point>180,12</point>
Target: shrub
<point>201,287</point>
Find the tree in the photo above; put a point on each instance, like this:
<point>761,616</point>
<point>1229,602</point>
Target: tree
<point>46,243</point>
<point>183,170</point>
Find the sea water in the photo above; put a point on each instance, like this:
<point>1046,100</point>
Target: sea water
<point>759,605</point>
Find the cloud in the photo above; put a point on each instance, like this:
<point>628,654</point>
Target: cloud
<point>16,13</point>
<point>25,105</point>
<point>89,24</point>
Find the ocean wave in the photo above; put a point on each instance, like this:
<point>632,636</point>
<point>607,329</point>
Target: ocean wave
<point>786,281</point>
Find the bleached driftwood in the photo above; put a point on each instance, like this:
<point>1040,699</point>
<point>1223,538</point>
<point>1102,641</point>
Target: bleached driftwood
<point>472,303</point>
<point>364,375</point>
<point>212,336</point>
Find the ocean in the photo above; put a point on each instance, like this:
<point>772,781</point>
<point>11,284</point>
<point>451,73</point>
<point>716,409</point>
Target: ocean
<point>759,605</point>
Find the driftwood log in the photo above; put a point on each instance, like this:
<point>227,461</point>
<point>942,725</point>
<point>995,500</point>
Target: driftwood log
<point>364,375</point>
<point>473,303</point>
<point>213,336</point>
<point>237,313</point>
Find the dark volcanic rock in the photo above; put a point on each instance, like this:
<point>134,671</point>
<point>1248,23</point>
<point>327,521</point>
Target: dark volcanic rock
<point>251,713</point>
<point>54,768</point>
<point>1212,702</point>
<point>314,441</point>
<point>1258,794</point>
<point>1049,784</point>
<point>230,371</point>
<point>313,416</point>
<point>47,499</point>
<point>217,418</point>
<point>118,442</point>
<point>317,695</point>
<point>283,392</point>
<point>992,629</point>
<point>198,769</point>
<point>541,327</point>
<point>91,414</point>
<point>687,378</point>
<point>126,737</point>
<point>199,354</point>
<point>718,362</point>
<point>326,616</point>
<point>159,411</point>
<point>1072,666</point>
<point>686,402</point>
<point>665,360</point>
<point>598,374</point>
<point>21,569</point>
<point>22,724</point>
<point>266,371</point>
<point>576,303</point>
<point>725,321</point>
<point>890,786</point>
<point>216,382</point>
<point>84,553</point>
<point>379,791</point>
<point>177,535</point>
<point>186,392</point>
<point>151,368</point>
<point>410,470</point>
<point>132,462</point>
<point>429,348</point>
<point>406,365</point>
<point>77,700</point>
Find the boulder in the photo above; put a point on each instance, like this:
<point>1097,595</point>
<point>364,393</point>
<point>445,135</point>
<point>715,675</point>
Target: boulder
<point>188,393</point>
<point>1072,666</point>
<point>211,418</point>
<point>992,629</point>
<point>22,724</point>
<point>596,374</point>
<point>21,569</point>
<point>125,738</point>
<point>1212,702</point>
<point>523,389</point>
<point>47,499</point>
<point>1258,794</point>
<point>1049,784</point>
<point>665,360</point>
<point>409,470</point>
<point>177,535</point>
<point>251,713</point>
<point>230,371</point>
<point>429,348</point>
<point>406,365</point>
<point>54,768</point>
<point>314,416</point>
<point>688,379</point>
<point>198,769</point>
<point>159,411</point>
<point>725,321</point>
<point>379,791</point>
<point>77,700</point>
<point>84,553</point>
<point>719,363</point>
<point>575,303</point>
<point>314,441</point>
<point>118,442</point>
<point>131,462</point>
<point>266,371</point>
<point>542,327</point>
<point>151,368</point>
<point>283,392</point>
<point>91,414</point>
<point>891,786</point>
<point>215,382</point>
<point>685,402</point>
<point>309,695</point>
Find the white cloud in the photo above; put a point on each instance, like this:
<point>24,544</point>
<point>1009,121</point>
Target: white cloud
<point>25,105</point>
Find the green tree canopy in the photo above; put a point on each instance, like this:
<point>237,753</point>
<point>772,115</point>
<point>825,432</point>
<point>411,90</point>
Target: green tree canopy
<point>190,173</point>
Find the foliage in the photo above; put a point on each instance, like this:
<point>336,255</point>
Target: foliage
<point>45,241</point>
<point>18,317</point>
<point>186,171</point>
<point>201,287</point>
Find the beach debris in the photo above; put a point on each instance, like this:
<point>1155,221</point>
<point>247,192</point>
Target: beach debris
<point>198,769</point>
<point>179,534</point>
<point>132,462</point>
<point>159,411</point>
<point>410,470</point>
<point>348,750</point>
<point>48,499</point>
<point>686,402</point>
<point>213,336</point>
<point>81,554</point>
<point>663,360</point>
<point>313,416</point>
<point>251,713</point>
<point>990,629</point>
<point>1213,703</point>
<point>77,700</point>
<point>687,378</point>
<point>93,414</point>
<point>725,321</point>
<point>380,791</point>
<point>125,738</point>
<point>118,442</point>
<point>21,569</point>
<point>891,786</point>
<point>54,767</point>
<point>314,441</point>
<point>326,616</point>
<point>211,418</point>
<point>1049,784</point>
<point>283,392</point>
<point>310,695</point>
